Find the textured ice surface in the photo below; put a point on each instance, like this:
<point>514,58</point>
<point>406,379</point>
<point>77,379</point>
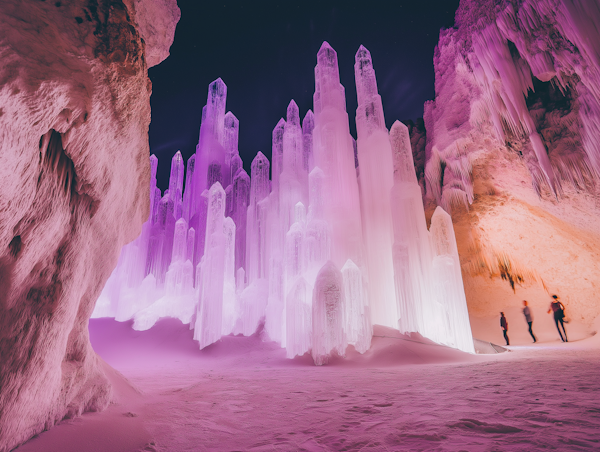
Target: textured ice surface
<point>309,254</point>
<point>376,180</point>
<point>328,300</point>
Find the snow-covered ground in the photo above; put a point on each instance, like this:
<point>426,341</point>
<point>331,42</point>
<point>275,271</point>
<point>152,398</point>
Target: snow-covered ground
<point>403,394</point>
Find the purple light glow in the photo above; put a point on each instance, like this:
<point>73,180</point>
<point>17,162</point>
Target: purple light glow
<point>322,251</point>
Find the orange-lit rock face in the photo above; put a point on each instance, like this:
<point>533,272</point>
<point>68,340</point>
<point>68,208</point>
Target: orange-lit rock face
<point>74,116</point>
<point>540,246</point>
<point>512,134</point>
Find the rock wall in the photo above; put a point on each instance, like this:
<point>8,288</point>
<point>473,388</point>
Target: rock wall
<point>74,117</point>
<point>513,150</point>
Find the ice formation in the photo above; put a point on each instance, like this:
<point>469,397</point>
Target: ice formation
<point>321,251</point>
<point>491,68</point>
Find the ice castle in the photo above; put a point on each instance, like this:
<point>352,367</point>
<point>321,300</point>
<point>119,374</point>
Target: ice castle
<point>335,241</point>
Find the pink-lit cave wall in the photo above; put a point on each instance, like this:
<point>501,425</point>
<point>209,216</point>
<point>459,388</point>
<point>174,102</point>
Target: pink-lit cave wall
<point>513,151</point>
<point>74,116</point>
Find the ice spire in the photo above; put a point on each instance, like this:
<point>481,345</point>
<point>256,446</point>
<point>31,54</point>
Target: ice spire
<point>366,85</point>
<point>231,128</point>
<point>328,90</point>
<point>293,114</point>
<point>448,289</point>
<point>154,197</point>
<point>308,125</point>
<point>236,165</point>
<point>180,241</point>
<point>404,169</point>
<point>215,107</point>
<point>333,155</point>
<point>210,151</point>
<point>189,192</point>
<point>241,198</point>
<point>153,169</point>
<point>260,178</point>
<point>211,272</point>
<point>293,148</point>
<point>293,186</point>
<point>231,131</point>
<point>369,114</point>
<point>411,252</point>
<point>277,153</point>
<point>256,229</point>
<point>274,251</point>
<point>376,180</point>
<point>176,178</point>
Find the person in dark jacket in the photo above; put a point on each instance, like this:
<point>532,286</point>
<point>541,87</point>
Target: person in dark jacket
<point>504,325</point>
<point>559,314</point>
<point>528,319</point>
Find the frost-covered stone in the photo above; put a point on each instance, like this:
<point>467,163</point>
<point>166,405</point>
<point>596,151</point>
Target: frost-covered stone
<point>74,116</point>
<point>513,134</point>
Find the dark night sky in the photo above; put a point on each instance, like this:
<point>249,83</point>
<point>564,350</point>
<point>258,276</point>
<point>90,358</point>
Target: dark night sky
<point>265,52</point>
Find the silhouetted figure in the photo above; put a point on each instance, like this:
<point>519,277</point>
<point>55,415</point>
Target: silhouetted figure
<point>504,325</point>
<point>528,318</point>
<point>559,314</point>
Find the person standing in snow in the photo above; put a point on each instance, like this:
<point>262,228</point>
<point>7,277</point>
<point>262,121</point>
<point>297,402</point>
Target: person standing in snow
<point>504,325</point>
<point>559,314</point>
<point>528,319</point>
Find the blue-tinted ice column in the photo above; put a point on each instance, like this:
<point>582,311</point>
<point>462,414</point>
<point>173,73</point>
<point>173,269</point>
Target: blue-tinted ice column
<point>376,180</point>
<point>452,316</point>
<point>328,336</point>
<point>412,252</point>
<point>209,315</point>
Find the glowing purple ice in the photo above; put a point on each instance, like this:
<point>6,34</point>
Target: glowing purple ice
<point>335,242</point>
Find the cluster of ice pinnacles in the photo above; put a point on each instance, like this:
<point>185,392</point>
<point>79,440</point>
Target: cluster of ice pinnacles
<point>334,242</point>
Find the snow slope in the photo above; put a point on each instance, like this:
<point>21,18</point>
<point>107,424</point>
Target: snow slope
<point>404,394</point>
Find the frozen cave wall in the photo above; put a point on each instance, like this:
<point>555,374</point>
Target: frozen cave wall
<point>74,117</point>
<point>513,151</point>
